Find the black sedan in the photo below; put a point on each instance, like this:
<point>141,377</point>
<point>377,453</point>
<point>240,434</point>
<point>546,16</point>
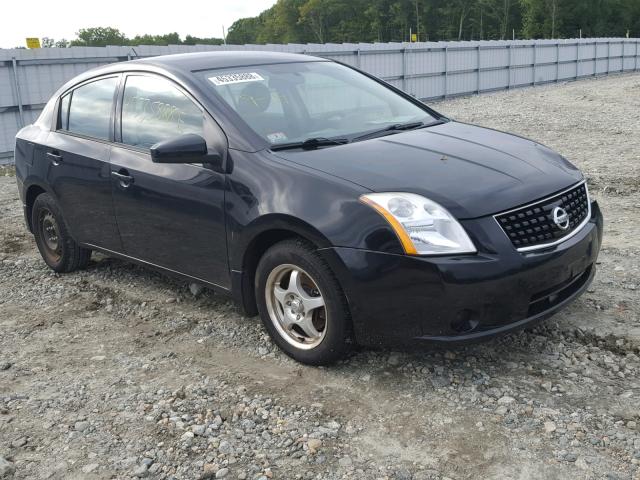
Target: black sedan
<point>339,208</point>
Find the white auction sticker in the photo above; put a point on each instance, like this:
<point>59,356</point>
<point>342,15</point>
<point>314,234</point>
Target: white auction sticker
<point>276,136</point>
<point>230,78</point>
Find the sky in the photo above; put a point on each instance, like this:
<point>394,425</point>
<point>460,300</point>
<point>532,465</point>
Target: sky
<point>63,18</point>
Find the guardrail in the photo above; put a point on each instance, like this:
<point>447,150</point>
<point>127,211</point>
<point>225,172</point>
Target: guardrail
<point>429,71</point>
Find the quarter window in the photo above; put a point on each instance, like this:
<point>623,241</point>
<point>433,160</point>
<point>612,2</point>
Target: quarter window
<point>64,112</point>
<point>154,110</point>
<point>90,108</point>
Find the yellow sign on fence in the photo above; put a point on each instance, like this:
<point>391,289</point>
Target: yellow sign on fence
<point>33,43</point>
<point>414,37</point>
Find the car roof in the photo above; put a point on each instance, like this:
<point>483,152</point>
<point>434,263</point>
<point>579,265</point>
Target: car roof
<point>182,65</point>
<point>212,60</point>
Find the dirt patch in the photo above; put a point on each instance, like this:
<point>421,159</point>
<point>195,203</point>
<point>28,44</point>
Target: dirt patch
<point>7,171</point>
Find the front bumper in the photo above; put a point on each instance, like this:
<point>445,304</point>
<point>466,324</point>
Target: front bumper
<point>399,299</point>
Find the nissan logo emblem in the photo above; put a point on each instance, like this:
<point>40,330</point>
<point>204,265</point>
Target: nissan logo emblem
<point>561,218</point>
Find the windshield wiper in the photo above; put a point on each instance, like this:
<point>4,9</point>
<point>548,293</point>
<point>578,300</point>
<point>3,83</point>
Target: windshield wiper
<point>310,143</point>
<point>396,127</point>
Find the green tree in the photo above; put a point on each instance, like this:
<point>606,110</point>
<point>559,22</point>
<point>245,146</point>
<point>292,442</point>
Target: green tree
<point>190,40</point>
<point>282,25</point>
<point>99,37</point>
<point>166,39</point>
<point>335,21</point>
<point>537,21</point>
<point>102,36</point>
<point>313,14</point>
<point>244,31</point>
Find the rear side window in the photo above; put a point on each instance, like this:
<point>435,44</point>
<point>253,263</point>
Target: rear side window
<point>90,108</point>
<point>154,110</point>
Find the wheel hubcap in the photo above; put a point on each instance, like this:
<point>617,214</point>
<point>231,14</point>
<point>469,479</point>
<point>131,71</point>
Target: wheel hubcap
<point>296,306</point>
<point>50,235</point>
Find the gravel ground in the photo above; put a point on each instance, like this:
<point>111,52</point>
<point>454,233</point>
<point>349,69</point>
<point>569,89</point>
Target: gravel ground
<point>119,372</point>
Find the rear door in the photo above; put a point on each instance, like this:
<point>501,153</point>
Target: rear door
<point>170,215</point>
<point>77,161</point>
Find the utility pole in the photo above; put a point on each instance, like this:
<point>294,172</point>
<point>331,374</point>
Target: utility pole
<point>417,22</point>
<point>224,36</point>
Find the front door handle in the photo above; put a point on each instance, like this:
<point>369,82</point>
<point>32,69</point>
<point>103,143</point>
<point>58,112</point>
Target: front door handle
<point>55,157</point>
<point>123,177</point>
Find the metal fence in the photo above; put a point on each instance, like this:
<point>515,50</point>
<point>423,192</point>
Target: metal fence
<point>430,70</point>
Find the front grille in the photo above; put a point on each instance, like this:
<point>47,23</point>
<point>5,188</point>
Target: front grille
<point>533,226</point>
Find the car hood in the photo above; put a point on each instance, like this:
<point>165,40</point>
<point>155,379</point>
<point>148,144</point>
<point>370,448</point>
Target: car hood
<point>471,171</point>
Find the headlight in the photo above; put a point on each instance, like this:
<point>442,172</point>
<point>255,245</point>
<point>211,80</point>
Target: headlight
<point>422,226</point>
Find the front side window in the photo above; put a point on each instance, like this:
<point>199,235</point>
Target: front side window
<point>154,110</point>
<point>296,101</point>
<point>90,108</point>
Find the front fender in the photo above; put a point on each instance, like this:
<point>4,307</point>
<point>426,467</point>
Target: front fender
<point>268,199</point>
<point>273,222</point>
<point>266,192</point>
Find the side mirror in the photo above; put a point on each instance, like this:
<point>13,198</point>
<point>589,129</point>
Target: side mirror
<point>188,148</point>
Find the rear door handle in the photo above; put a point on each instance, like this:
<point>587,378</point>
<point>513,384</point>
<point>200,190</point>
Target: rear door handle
<point>56,158</point>
<point>123,178</point>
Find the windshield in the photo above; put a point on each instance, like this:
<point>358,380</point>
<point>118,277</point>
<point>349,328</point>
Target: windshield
<point>293,102</point>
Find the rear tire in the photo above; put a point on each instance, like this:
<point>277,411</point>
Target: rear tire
<point>59,251</point>
<point>302,304</point>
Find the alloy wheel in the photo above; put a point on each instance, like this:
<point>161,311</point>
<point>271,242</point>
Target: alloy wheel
<point>296,306</point>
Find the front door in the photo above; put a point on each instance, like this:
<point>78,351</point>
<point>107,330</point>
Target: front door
<point>170,215</point>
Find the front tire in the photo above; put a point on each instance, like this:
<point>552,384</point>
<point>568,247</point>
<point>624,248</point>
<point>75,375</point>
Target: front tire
<point>59,251</point>
<point>301,303</point>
